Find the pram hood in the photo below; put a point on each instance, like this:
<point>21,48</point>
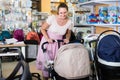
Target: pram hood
<point>72,61</point>
<point>109,48</point>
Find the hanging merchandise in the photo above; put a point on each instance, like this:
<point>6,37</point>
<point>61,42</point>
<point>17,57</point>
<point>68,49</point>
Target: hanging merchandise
<point>71,11</point>
<point>26,3</point>
<point>15,14</point>
<point>28,15</point>
<point>16,3</point>
<point>74,1</point>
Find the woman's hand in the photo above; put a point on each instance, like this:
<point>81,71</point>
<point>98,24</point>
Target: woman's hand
<point>50,40</point>
<point>66,41</point>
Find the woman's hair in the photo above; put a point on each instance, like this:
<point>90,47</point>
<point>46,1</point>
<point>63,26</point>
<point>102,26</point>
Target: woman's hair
<point>62,5</point>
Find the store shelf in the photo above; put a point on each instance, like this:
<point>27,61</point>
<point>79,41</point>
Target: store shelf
<point>94,6</point>
<point>54,4</point>
<point>56,1</point>
<point>105,24</point>
<point>83,25</point>
<point>36,5</point>
<point>102,25</point>
<point>15,14</point>
<point>96,2</point>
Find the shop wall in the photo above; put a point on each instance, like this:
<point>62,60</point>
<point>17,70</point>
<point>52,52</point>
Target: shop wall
<point>101,29</point>
<point>45,6</point>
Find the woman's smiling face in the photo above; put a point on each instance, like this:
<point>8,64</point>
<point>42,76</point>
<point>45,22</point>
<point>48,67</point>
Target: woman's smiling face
<point>62,12</point>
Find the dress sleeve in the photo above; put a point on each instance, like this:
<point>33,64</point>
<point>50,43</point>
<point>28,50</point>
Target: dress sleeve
<point>49,19</point>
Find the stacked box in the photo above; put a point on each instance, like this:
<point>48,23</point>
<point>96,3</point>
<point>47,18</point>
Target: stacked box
<point>103,15</point>
<point>113,12</point>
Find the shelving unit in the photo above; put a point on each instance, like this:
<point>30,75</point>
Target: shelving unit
<point>54,4</point>
<point>93,4</point>
<point>36,5</point>
<point>15,14</point>
<point>37,19</point>
<point>96,2</point>
<point>103,25</point>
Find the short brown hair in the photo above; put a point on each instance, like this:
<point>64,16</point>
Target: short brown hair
<point>62,5</point>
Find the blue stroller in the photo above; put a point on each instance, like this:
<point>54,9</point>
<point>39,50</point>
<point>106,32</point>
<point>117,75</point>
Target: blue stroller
<point>107,56</point>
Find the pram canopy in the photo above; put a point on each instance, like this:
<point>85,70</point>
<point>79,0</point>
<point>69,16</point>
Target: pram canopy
<point>72,61</point>
<point>109,48</point>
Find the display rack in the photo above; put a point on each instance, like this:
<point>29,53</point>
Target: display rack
<point>94,3</point>
<point>36,5</point>
<point>54,4</point>
<point>37,19</point>
<point>15,14</point>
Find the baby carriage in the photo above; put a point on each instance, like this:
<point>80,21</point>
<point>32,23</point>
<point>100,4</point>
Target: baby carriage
<point>107,55</point>
<point>71,62</point>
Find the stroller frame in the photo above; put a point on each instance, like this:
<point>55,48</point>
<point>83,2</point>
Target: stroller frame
<point>98,66</point>
<point>50,65</point>
<point>52,74</point>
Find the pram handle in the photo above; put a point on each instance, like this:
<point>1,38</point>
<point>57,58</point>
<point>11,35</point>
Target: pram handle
<point>48,43</point>
<point>90,42</point>
<point>77,41</point>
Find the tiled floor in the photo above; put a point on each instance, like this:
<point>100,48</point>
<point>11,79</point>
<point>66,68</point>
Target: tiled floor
<point>7,67</point>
